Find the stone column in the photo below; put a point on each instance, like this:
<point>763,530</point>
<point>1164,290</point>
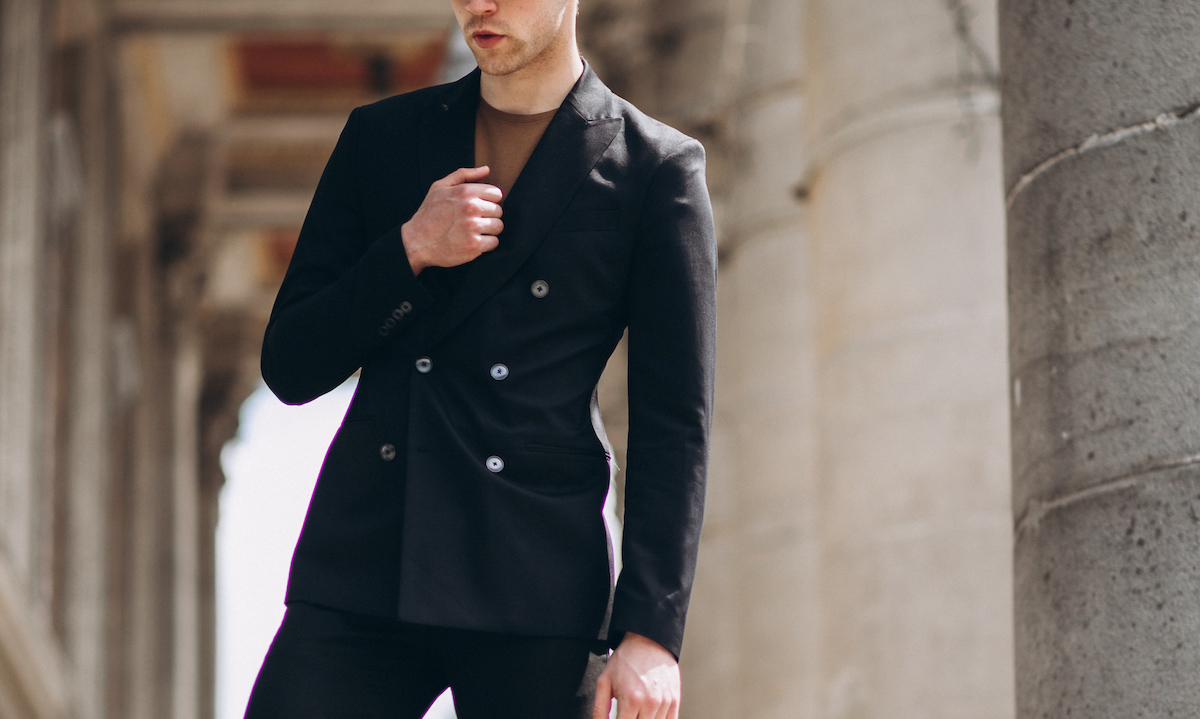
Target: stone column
<point>89,424</point>
<point>1101,140</point>
<point>23,95</point>
<point>185,501</point>
<point>907,231</point>
<point>730,72</point>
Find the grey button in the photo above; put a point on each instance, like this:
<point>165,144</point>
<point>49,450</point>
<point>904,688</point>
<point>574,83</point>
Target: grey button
<point>424,365</point>
<point>383,331</point>
<point>499,371</point>
<point>495,464</point>
<point>406,307</point>
<point>389,323</point>
<point>388,452</point>
<point>540,289</point>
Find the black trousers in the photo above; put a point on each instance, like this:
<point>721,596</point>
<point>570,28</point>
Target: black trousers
<point>327,664</point>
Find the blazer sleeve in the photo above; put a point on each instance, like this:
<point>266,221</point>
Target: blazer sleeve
<point>672,352</point>
<point>345,294</point>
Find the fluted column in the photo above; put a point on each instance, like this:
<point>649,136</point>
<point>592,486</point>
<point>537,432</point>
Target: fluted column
<point>906,219</point>
<point>1100,144</point>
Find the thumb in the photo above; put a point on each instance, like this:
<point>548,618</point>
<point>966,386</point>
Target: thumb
<point>463,175</point>
<point>604,697</point>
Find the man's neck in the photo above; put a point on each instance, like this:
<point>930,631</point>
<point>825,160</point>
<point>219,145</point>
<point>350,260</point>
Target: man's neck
<point>540,86</point>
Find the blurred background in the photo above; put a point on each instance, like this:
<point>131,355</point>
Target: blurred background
<point>157,159</point>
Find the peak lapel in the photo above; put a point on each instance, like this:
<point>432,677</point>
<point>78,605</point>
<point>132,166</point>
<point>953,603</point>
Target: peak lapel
<point>448,131</point>
<point>570,147</point>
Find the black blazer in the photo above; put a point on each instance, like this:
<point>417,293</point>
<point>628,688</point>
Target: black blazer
<point>465,485</point>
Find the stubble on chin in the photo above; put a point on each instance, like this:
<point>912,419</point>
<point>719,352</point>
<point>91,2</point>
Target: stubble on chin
<point>492,62</point>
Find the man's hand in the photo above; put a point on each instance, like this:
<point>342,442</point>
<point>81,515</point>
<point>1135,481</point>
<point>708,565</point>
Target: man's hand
<point>644,679</point>
<point>457,222</point>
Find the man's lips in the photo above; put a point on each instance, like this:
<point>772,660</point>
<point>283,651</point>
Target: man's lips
<point>486,39</point>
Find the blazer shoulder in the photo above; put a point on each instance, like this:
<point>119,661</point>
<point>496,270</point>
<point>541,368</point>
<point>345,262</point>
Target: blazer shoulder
<point>654,140</point>
<point>406,106</point>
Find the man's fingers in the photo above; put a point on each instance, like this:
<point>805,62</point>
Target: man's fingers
<point>484,207</point>
<point>662,709</point>
<point>491,193</point>
<point>486,225</point>
<point>487,243</point>
<point>463,175</point>
<point>673,710</point>
<point>603,704</point>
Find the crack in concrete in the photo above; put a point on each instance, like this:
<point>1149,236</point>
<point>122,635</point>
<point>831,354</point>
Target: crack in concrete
<point>1036,509</point>
<point>971,55</point>
<point>961,14</point>
<point>1108,139</point>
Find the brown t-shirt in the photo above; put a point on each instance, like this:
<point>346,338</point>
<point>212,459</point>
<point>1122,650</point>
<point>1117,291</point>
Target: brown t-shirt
<point>504,142</point>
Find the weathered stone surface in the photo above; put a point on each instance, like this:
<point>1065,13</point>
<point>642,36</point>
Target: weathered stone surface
<point>1108,602</point>
<point>1103,306</point>
<point>1074,69</point>
<point>1104,313</point>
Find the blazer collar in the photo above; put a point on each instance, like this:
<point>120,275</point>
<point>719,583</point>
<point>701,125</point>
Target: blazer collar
<point>576,138</point>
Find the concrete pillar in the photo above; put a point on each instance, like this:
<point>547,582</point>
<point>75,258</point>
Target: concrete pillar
<point>907,233</point>
<point>1100,147</point>
<point>185,642</point>
<point>88,426</point>
<point>730,72</point>
<point>23,95</point>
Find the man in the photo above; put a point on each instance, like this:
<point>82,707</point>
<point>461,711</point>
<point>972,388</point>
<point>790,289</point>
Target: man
<point>478,249</point>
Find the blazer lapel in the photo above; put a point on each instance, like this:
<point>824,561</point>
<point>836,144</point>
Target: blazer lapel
<point>448,131</point>
<point>570,147</point>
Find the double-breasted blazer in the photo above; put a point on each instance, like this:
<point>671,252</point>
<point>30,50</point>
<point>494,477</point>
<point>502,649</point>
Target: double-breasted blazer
<point>465,485</point>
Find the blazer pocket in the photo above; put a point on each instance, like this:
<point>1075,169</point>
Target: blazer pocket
<point>537,448</point>
<point>588,221</point>
<point>558,470</point>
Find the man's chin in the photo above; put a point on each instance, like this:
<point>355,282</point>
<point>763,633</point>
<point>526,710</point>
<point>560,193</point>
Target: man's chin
<point>497,66</point>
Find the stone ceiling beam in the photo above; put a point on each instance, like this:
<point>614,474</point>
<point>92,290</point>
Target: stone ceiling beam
<point>277,15</point>
<point>285,128</point>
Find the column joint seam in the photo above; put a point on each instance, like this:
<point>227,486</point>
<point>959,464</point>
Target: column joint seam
<point>1035,509</point>
<point>1093,142</point>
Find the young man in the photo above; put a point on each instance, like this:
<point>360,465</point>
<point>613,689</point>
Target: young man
<point>478,249</point>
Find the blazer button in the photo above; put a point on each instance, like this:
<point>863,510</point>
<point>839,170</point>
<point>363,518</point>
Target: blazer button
<point>388,452</point>
<point>540,289</point>
<point>499,371</point>
<point>424,365</point>
<point>495,464</point>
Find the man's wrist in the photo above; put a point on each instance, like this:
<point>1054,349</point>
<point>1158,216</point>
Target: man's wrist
<point>415,261</point>
<point>635,640</point>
